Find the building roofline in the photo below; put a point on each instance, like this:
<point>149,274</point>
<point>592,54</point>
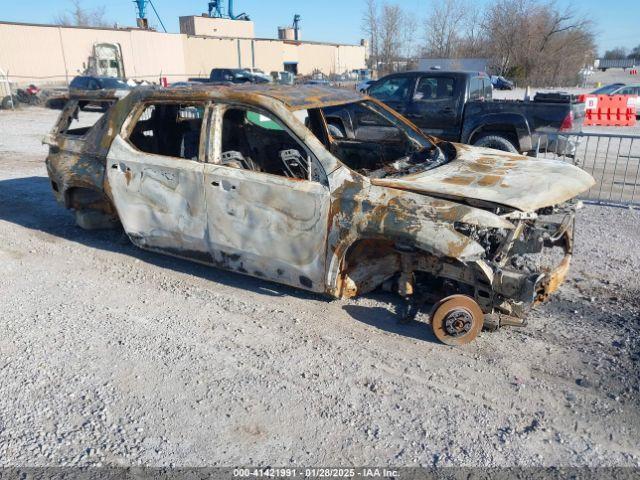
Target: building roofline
<point>51,25</point>
<point>136,29</point>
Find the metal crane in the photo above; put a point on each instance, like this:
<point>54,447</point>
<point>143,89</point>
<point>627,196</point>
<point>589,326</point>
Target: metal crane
<point>296,25</point>
<point>141,9</point>
<point>216,10</point>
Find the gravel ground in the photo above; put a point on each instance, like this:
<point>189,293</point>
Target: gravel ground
<point>111,355</point>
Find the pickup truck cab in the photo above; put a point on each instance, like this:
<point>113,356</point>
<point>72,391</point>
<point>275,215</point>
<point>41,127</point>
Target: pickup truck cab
<point>250,179</point>
<point>458,106</point>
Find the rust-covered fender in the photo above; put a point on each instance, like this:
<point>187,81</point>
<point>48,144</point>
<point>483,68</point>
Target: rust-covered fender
<point>360,210</point>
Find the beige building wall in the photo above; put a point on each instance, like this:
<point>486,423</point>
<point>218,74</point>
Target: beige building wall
<point>269,55</point>
<point>217,27</point>
<point>24,58</point>
<point>49,54</point>
<point>54,55</point>
<point>202,54</point>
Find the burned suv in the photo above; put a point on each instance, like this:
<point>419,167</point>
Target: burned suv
<point>321,189</point>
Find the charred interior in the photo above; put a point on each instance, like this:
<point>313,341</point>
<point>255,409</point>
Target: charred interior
<point>370,140</point>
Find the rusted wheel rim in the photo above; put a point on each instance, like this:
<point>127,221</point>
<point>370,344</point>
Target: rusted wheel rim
<point>456,320</point>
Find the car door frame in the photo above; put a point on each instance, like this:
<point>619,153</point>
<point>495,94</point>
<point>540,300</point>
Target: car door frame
<point>250,227</point>
<point>159,199</point>
<point>399,106</point>
<point>417,113</point>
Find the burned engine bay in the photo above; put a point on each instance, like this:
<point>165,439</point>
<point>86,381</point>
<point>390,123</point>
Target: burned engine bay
<point>518,268</point>
<point>530,261</point>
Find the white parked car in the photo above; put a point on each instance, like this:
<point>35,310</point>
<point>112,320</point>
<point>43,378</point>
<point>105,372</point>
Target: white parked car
<point>633,89</point>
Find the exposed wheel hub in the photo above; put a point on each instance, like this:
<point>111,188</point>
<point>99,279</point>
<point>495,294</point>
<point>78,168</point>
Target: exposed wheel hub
<point>458,322</point>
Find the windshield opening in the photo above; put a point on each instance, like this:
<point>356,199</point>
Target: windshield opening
<point>372,141</point>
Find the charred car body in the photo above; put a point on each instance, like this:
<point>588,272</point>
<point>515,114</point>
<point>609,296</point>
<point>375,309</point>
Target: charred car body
<point>252,179</point>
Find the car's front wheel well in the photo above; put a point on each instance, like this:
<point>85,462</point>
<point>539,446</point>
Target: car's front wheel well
<point>371,263</point>
<point>366,264</point>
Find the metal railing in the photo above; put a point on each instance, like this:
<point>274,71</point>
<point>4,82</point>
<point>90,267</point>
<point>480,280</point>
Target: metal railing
<point>613,160</point>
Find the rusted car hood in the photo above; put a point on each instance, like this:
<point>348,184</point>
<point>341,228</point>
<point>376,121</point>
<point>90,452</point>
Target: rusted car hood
<point>516,181</point>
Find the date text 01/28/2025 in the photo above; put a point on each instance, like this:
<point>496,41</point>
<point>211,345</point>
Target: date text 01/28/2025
<point>315,473</point>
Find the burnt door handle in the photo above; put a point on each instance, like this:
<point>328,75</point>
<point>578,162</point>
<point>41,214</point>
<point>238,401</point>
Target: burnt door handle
<point>120,166</point>
<point>226,186</point>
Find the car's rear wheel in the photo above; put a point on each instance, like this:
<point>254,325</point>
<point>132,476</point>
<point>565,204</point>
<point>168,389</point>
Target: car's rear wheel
<point>496,142</point>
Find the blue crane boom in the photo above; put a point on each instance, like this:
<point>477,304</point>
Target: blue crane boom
<point>216,10</point>
<point>141,9</point>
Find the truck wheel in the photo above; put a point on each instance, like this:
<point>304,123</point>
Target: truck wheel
<point>496,142</point>
<point>456,320</point>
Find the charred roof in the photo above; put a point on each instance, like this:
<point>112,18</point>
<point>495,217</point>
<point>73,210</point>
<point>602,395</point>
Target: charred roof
<point>296,97</point>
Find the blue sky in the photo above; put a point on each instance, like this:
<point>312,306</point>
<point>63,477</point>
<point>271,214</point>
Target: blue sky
<point>327,20</point>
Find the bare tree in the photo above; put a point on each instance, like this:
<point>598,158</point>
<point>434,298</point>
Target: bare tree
<point>536,43</point>
<point>390,37</point>
<point>443,27</point>
<point>409,45</point>
<point>78,16</point>
<point>617,53</point>
<point>532,41</point>
<point>370,26</point>
<point>473,43</point>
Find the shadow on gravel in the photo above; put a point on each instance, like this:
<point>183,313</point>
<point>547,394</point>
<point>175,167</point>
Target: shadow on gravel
<point>383,319</point>
<point>29,202</point>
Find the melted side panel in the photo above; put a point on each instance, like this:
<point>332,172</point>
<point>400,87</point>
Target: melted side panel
<point>363,211</point>
<point>160,200</point>
<point>268,226</point>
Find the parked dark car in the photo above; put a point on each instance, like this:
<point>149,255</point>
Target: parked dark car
<point>501,83</point>
<point>86,82</point>
<point>318,82</point>
<point>98,83</point>
<point>234,75</point>
<point>458,106</point>
<point>607,89</point>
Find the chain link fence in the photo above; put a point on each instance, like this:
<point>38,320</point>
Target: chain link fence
<point>612,159</point>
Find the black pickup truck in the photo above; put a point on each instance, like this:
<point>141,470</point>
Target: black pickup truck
<point>458,106</point>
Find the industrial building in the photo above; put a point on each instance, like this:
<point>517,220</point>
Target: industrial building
<point>51,54</point>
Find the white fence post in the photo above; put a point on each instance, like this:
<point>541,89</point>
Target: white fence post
<point>5,88</point>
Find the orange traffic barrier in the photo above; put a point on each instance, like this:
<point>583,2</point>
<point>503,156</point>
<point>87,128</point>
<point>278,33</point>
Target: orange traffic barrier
<point>633,71</point>
<point>610,110</point>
